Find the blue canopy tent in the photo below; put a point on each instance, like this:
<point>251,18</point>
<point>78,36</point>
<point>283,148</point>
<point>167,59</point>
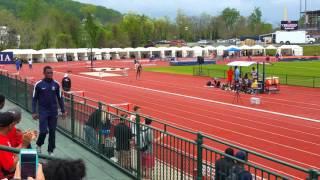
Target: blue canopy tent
<point>234,49</point>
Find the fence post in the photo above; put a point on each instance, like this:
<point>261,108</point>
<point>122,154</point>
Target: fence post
<point>199,155</point>
<point>314,82</point>
<point>100,131</point>
<point>26,94</point>
<point>16,78</point>
<point>8,84</point>
<point>72,115</point>
<point>138,146</point>
<point>313,174</point>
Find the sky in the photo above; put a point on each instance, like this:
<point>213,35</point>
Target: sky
<point>272,10</point>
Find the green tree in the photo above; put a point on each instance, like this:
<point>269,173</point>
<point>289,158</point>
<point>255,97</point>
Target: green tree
<point>230,16</point>
<point>64,41</point>
<point>91,26</point>
<point>45,40</point>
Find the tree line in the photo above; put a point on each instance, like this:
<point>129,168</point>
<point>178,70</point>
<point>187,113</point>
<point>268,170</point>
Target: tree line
<point>51,24</point>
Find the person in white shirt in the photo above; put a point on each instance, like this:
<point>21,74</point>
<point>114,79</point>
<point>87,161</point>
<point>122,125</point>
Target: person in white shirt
<point>136,110</point>
<point>30,63</point>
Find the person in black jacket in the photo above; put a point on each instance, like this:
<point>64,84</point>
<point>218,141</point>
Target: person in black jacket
<point>123,135</point>
<point>92,127</point>
<point>66,83</point>
<point>224,165</point>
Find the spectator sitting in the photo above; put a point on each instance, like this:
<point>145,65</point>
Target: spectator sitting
<point>2,101</point>
<point>223,166</point>
<point>8,160</point>
<point>15,135</point>
<point>237,171</point>
<point>246,83</point>
<point>64,170</point>
<point>214,83</point>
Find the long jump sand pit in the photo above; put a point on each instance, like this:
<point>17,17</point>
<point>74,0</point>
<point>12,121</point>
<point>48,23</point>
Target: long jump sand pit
<point>109,69</point>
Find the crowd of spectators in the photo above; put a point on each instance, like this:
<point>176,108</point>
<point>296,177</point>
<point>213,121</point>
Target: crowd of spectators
<point>11,136</point>
<point>237,82</point>
<point>228,168</point>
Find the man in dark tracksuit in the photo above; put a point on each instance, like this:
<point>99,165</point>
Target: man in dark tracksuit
<point>45,94</point>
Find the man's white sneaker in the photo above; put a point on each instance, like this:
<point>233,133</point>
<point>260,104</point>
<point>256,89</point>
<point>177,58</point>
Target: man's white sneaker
<point>51,154</point>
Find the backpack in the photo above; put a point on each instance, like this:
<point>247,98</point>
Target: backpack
<point>235,172</point>
<point>145,139</point>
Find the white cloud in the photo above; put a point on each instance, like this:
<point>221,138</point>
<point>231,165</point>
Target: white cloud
<point>272,10</point>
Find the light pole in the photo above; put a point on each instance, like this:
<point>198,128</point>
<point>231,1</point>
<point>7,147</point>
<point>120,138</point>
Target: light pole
<point>91,58</point>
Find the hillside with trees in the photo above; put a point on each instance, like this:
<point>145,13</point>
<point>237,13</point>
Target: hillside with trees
<point>69,24</point>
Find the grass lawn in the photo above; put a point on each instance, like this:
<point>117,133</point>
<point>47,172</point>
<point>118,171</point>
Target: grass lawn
<point>293,73</point>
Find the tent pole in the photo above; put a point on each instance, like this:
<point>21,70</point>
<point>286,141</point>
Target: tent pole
<point>263,76</point>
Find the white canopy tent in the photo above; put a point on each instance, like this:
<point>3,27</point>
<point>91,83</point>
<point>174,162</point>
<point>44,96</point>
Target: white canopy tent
<point>271,47</point>
<point>25,53</point>
<point>197,51</point>
<point>290,50</point>
<point>241,63</point>
<point>257,50</point>
<point>220,50</point>
<point>244,47</point>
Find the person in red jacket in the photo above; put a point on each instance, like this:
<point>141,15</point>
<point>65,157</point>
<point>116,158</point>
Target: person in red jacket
<point>230,76</point>
<point>15,135</point>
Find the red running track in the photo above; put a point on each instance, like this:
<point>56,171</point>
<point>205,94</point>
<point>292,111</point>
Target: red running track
<point>285,126</point>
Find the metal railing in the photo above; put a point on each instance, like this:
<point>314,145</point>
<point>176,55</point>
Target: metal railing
<point>172,152</point>
<point>285,79</point>
<point>17,151</point>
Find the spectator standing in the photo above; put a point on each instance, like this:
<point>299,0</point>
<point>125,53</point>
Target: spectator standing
<point>92,127</point>
<point>30,64</point>
<point>66,83</point>
<point>46,93</point>
<point>123,137</point>
<point>18,62</point>
<point>223,166</point>
<point>236,73</point>
<point>238,171</point>
<point>21,64</point>
<point>136,110</point>
<point>230,76</point>
<point>146,149</point>
<point>254,74</point>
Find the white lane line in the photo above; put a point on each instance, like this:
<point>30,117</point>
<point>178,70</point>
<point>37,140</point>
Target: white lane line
<point>202,99</point>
